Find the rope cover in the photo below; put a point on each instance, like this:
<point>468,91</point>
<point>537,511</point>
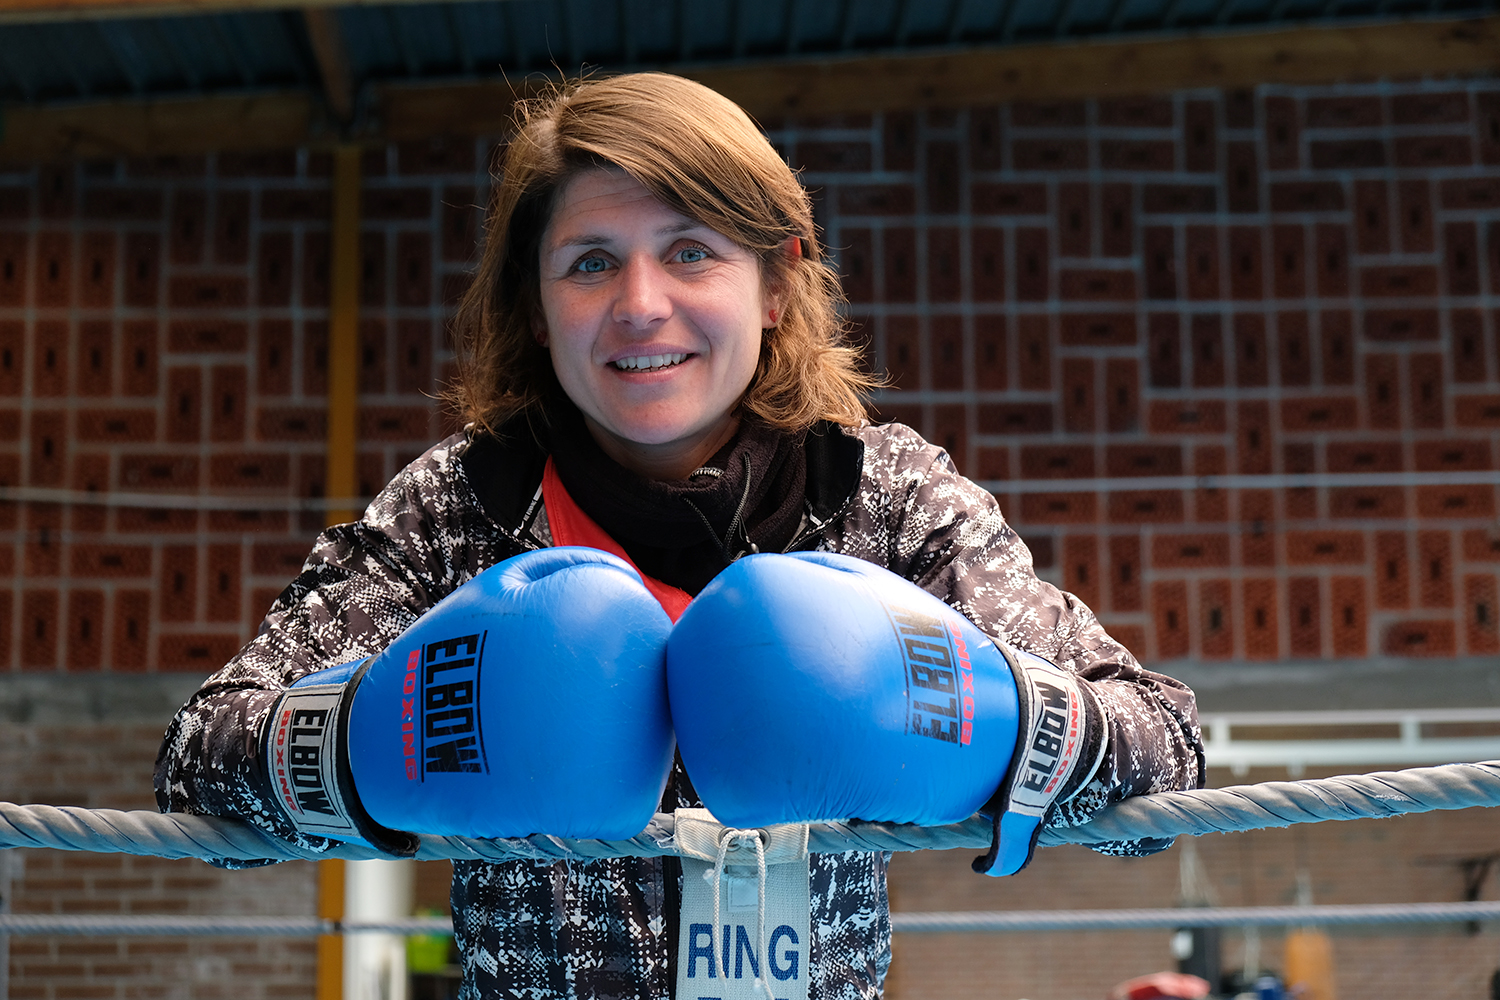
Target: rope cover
<point>1168,814</point>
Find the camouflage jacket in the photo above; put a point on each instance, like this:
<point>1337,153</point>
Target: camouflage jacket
<point>604,930</point>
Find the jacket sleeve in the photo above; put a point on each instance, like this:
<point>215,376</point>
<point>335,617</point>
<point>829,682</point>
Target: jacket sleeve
<point>947,534</point>
<point>363,584</point>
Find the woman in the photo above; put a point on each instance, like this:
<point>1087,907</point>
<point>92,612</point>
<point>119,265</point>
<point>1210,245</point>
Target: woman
<point>651,320</point>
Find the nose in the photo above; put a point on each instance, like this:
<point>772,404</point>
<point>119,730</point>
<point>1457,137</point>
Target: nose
<point>642,300</point>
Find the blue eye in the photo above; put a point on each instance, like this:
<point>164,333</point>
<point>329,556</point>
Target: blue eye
<point>692,255</point>
<point>591,265</point>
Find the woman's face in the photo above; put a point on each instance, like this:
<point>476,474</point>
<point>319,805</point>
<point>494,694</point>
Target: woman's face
<point>653,321</point>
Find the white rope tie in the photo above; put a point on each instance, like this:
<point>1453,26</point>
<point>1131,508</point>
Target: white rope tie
<point>727,842</point>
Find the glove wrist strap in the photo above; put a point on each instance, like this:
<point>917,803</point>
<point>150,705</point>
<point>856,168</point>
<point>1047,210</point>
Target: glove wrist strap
<point>307,758</point>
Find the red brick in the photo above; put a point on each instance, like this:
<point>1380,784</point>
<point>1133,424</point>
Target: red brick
<point>413,269</point>
<point>1208,351</point>
<point>1242,177</point>
<point>54,270</point>
<point>1210,505</point>
<point>372,271</point>
<point>1257,545</point>
<point>1347,154</point>
<point>1420,638</point>
<point>1381,395</point>
<point>1435,569</point>
<point>96,282</point>
<point>460,224</point>
<point>1461,258</point>
<point>49,447</point>
<point>273,352</point>
<point>1164,347</point>
<point>992,463</point>
<point>224,576</point>
<point>95,354</point>
<point>1033,352</point>
<point>1251,360</point>
<point>947,353</point>
<point>903,352</point>
<point>1392,572</point>
<point>900,255</point>
<point>1473,500</point>
<point>1307,548</point>
<point>290,424</point>
<point>877,199</point>
<point>155,521</point>
<point>1414,198</point>
<point>1477,411</point>
<point>42,555</point>
<point>1081,568</point>
<point>315,262</point>
<point>1400,281</point>
<point>1178,199</point>
<point>944,268</point>
<point>1294,346</point>
<point>184,404</point>
<point>1216,618</point>
<point>40,626</point>
<point>1145,507</point>
<point>1367,502</point>
<point>224,291</point>
<point>1097,286</point>
<point>1169,610</point>
<point>227,401</point>
<point>1033,265</point>
<point>1466,192</point>
<point>1481,614</point>
<point>1125,572</point>
<point>1336,343</point>
<point>1053,114</point>
<point>1117,220</point>
<point>1426,382</point>
<point>1059,508</point>
<point>1331,262</point>
<point>986,148</point>
<point>1487,109</point>
<point>85,630</point>
<point>1122,406</point>
<point>166,471</point>
<point>987,267</point>
<point>1443,456</point>
<point>12,269</point>
<point>179,583</point>
<point>1372,217</point>
<point>1246,269</point>
<point>1200,145</point>
<point>111,560</point>
<point>1305,623</point>
<point>1429,151</point>
<point>185,240</point>
<point>1283,133</point>
<point>1160,262</point>
<point>1350,628</point>
<point>138,357</point>
<point>1079,413</point>
<point>1470,357</point>
<point>1057,461</point>
<point>1049,155</point>
<point>1307,196</point>
<point>1098,329</point>
<point>1199,551</point>
<point>1074,220</point>
<point>1253,437</point>
<point>1009,199</point>
<point>1137,154</point>
<point>1129,460</point>
<point>49,352</point>
<point>899,140</point>
<point>1262,626</point>
<point>1365,456</point>
<point>1202,260</point>
<point>196,651</point>
<point>990,352</point>
<point>1200,416</point>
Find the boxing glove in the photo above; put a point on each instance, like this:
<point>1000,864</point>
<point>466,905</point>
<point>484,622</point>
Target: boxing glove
<point>816,686</point>
<point>530,700</point>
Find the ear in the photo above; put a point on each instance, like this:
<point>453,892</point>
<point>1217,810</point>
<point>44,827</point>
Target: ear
<point>774,300</point>
<point>539,330</point>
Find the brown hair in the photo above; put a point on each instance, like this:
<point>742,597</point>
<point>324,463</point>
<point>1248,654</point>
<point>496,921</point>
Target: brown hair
<point>700,155</point>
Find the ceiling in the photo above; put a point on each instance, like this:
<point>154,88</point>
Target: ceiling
<point>97,54</point>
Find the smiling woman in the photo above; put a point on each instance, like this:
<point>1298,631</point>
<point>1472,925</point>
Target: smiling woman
<point>653,363</point>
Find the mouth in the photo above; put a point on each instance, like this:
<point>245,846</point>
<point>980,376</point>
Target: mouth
<point>649,362</point>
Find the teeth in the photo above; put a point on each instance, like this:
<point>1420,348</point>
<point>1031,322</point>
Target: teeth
<point>650,362</point>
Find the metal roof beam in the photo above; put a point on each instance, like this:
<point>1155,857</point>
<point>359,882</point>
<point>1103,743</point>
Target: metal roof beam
<point>19,11</point>
<point>327,38</point>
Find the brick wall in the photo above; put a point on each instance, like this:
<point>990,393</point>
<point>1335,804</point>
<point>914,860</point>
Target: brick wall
<point>1269,283</point>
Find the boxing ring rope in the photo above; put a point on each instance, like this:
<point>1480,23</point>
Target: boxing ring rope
<point>1164,815</point>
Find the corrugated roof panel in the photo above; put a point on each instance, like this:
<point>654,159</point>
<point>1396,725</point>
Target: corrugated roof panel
<point>275,44</point>
<point>763,27</point>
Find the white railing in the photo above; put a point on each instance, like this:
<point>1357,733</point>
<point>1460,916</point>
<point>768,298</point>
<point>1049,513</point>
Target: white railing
<point>1400,738</point>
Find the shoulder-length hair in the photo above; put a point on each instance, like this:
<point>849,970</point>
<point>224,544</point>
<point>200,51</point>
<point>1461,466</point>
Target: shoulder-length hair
<point>701,155</point>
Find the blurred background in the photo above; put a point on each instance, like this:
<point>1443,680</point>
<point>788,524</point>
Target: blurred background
<point>1205,291</point>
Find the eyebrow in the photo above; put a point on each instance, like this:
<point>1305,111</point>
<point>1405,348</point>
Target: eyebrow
<point>595,240</point>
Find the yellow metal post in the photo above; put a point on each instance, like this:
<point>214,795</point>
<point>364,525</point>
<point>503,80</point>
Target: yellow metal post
<point>340,479</point>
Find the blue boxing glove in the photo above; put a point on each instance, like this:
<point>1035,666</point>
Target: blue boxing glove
<point>816,687</point>
<point>530,700</point>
